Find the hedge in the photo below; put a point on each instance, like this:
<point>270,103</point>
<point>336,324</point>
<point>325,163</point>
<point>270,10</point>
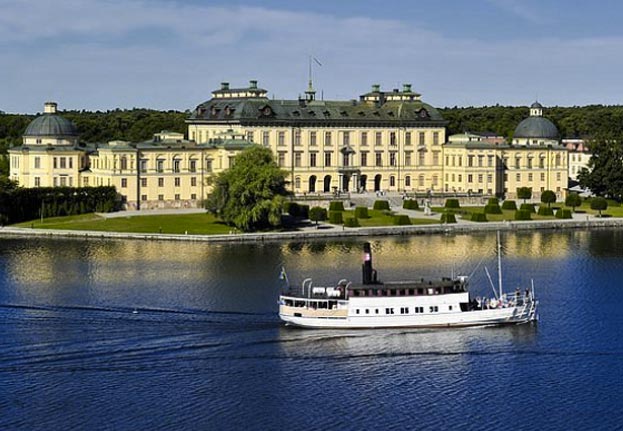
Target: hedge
<point>401,220</point>
<point>350,221</point>
<point>292,208</point>
<point>527,207</point>
<point>509,205</point>
<point>545,211</point>
<point>361,212</point>
<point>452,203</point>
<point>493,209</point>
<point>410,204</point>
<point>448,217</point>
<point>479,217</point>
<point>493,201</point>
<point>563,213</point>
<point>523,215</point>
<point>336,206</point>
<point>335,217</point>
<point>24,204</point>
<point>381,205</point>
<point>317,214</point>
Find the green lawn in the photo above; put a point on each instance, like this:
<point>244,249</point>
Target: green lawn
<point>192,224</point>
<point>380,218</point>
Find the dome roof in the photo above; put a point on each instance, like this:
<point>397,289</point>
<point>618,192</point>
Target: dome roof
<point>536,105</point>
<point>51,125</point>
<point>536,127</point>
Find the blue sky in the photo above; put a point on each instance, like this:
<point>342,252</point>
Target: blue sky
<point>170,54</point>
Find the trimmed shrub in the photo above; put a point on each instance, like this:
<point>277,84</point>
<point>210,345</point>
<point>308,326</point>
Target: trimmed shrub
<point>351,221</point>
<point>448,217</point>
<point>527,207</point>
<point>545,211</point>
<point>563,213</point>
<point>509,205</point>
<point>452,203</point>
<point>336,206</point>
<point>599,204</point>
<point>401,220</point>
<point>480,217</point>
<point>410,204</point>
<point>335,217</point>
<point>317,214</point>
<point>292,208</point>
<point>361,212</point>
<point>523,215</point>
<point>381,205</point>
<point>493,201</point>
<point>304,211</point>
<point>493,209</point>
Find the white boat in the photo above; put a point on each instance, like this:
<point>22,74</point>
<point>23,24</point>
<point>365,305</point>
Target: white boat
<point>421,303</point>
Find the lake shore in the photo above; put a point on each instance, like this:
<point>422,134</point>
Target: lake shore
<point>326,231</point>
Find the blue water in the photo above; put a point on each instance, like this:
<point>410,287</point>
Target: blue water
<point>116,335</point>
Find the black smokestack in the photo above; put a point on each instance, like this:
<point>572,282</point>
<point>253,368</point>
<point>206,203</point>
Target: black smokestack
<point>367,264</point>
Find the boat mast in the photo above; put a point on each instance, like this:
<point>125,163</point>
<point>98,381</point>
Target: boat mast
<point>499,264</point>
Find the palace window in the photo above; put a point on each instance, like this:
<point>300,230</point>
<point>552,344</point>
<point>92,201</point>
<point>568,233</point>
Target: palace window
<point>435,158</point>
<point>408,138</point>
<point>435,138</point>
<point>193,181</point>
<point>209,165</point>
<point>312,160</point>
<point>143,165</point>
<point>364,138</point>
<point>143,182</point>
<point>192,165</point>
<point>297,137</point>
<point>407,181</point>
<point>143,197</point>
<point>37,162</point>
<point>38,182</point>
<point>124,163</point>
<point>297,159</point>
<point>160,182</point>
<point>160,165</point>
<point>490,161</point>
<point>470,178</point>
<point>327,159</point>
<point>392,139</point>
<point>530,176</point>
<point>518,177</point>
<point>480,178</point>
<point>421,181</point>
<point>124,182</point>
<point>364,158</point>
<point>63,163</point>
<point>160,197</point>
<point>470,161</point>
<point>422,139</point>
<point>392,181</point>
<point>392,159</point>
<point>281,139</point>
<point>193,196</point>
<point>378,139</point>
<point>176,165</point>
<point>327,139</point>
<point>266,139</point>
<point>480,161</point>
<point>312,139</point>
<point>408,158</point>
<point>177,181</point>
<point>517,163</point>
<point>281,158</point>
<point>379,159</point>
<point>250,136</point>
<point>529,163</point>
<point>297,183</point>
<point>346,138</point>
<point>421,158</point>
<point>177,197</point>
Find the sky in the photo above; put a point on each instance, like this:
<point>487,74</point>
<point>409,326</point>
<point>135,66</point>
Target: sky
<point>170,54</point>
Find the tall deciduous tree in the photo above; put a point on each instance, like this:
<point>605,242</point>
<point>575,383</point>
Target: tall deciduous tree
<point>604,176</point>
<point>250,195</point>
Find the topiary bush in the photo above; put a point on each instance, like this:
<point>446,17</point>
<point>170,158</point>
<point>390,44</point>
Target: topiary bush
<point>381,205</point>
<point>509,205</point>
<point>563,214</point>
<point>361,212</point>
<point>335,217</point>
<point>448,217</point>
<point>493,209</point>
<point>545,211</point>
<point>401,220</point>
<point>317,214</point>
<point>527,207</point>
<point>351,221</point>
<point>336,206</point>
<point>452,203</point>
<point>304,211</point>
<point>493,201</point>
<point>479,217</point>
<point>523,215</point>
<point>292,208</point>
<point>410,204</point>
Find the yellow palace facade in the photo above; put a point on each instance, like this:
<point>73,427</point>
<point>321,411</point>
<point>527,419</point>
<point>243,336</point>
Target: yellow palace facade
<point>385,141</point>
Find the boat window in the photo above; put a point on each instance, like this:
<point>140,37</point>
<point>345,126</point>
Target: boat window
<point>367,311</point>
<point>377,311</point>
<point>420,291</point>
<point>450,307</point>
<point>434,309</point>
<point>357,311</point>
<point>437,290</point>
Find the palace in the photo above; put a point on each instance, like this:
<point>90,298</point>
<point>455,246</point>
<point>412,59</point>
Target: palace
<point>386,140</point>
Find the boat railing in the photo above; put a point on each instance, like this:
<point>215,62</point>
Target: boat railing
<point>507,300</point>
<point>308,291</point>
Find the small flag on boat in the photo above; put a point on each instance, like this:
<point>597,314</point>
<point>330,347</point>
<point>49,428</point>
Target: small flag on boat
<point>283,275</point>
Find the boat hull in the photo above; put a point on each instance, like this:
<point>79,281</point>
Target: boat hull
<point>500,316</point>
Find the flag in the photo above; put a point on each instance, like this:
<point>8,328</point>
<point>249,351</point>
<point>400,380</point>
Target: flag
<point>316,60</point>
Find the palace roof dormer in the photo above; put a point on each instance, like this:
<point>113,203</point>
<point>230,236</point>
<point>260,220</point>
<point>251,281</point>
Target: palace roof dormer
<point>250,92</point>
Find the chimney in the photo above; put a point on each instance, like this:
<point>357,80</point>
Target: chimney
<point>49,107</point>
<point>224,85</point>
<point>253,84</point>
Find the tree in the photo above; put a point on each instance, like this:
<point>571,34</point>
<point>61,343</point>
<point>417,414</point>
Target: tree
<point>604,175</point>
<point>317,214</point>
<point>524,193</point>
<point>548,197</point>
<point>599,204</point>
<point>573,200</point>
<point>250,195</point>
